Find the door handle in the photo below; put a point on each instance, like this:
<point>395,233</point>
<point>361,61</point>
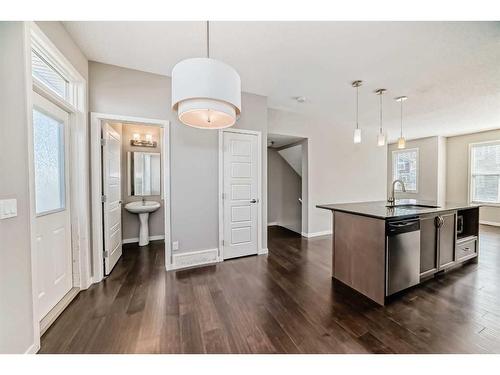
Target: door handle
<point>254,201</point>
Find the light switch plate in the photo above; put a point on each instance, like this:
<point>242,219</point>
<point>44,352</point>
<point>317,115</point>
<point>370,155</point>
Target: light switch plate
<point>8,208</point>
<point>175,245</point>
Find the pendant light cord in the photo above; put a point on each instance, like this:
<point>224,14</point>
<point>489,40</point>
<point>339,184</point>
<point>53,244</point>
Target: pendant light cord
<point>208,39</point>
<point>357,100</point>
<point>381,112</point>
<point>401,118</point>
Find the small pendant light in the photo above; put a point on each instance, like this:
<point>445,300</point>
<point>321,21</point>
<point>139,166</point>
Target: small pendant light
<point>206,93</point>
<point>357,130</point>
<point>401,140</point>
<point>381,135</point>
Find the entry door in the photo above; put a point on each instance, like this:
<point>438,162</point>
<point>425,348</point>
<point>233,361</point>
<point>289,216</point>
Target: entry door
<point>52,221</point>
<point>240,195</point>
<point>112,205</point>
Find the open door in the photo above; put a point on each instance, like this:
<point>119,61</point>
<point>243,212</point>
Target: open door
<point>112,204</point>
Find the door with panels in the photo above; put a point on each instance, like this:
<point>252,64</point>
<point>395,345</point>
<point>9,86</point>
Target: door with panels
<point>112,203</point>
<point>240,194</point>
<point>52,217</point>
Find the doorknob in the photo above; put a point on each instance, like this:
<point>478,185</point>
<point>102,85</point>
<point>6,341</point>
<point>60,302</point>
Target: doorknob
<point>254,201</point>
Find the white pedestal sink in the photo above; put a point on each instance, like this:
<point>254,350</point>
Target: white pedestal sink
<point>143,208</point>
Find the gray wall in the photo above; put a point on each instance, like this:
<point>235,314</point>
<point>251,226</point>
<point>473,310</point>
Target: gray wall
<point>431,169</point>
<point>284,191</point>
<point>193,153</point>
<point>457,162</point>
<point>16,318</point>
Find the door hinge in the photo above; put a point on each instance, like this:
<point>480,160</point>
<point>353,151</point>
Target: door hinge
<point>103,198</point>
<point>223,243</point>
<point>106,253</point>
<point>103,142</point>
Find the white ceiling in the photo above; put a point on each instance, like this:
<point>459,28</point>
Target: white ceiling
<point>279,140</point>
<point>449,70</point>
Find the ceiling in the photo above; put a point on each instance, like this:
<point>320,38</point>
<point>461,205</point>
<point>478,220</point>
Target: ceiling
<point>450,71</point>
<point>279,140</point>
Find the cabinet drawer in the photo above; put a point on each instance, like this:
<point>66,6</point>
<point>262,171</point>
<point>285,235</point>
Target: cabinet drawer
<point>466,248</point>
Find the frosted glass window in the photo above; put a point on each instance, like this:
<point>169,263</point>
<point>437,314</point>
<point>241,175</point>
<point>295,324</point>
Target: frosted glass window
<point>48,139</point>
<point>49,76</point>
<point>405,168</point>
<point>485,173</point>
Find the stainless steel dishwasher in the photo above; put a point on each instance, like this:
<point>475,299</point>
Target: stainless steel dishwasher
<point>403,254</point>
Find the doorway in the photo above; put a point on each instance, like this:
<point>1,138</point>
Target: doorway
<point>130,161</point>
<point>287,182</point>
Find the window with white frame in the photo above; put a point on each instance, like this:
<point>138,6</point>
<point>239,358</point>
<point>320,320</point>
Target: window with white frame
<point>405,168</point>
<point>48,76</point>
<point>485,172</point>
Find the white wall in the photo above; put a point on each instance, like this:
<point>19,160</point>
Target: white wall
<point>284,191</point>
<point>431,169</point>
<point>194,152</point>
<point>457,170</point>
<point>339,170</point>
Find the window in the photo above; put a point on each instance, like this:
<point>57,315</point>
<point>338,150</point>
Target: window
<point>485,172</point>
<point>48,141</point>
<point>405,168</point>
<point>44,73</point>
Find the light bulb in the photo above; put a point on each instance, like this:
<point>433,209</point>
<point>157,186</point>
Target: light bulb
<point>135,137</point>
<point>401,142</point>
<point>357,135</point>
<point>149,137</point>
<point>381,139</point>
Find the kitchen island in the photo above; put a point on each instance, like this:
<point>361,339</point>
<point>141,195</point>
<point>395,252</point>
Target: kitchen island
<point>380,251</point>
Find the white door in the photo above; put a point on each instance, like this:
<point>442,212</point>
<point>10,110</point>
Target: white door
<point>240,199</point>
<point>52,222</point>
<point>112,205</point>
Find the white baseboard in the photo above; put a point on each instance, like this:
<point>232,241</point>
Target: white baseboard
<point>33,349</point>
<point>263,251</point>
<point>136,239</point>
<point>492,223</point>
<point>194,258</point>
<point>57,310</point>
<point>316,234</point>
<point>272,224</point>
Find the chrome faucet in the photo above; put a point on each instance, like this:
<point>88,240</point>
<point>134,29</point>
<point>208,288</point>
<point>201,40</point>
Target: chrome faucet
<point>391,199</point>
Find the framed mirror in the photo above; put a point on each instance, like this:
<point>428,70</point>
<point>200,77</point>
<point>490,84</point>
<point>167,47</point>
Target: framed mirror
<point>144,173</point>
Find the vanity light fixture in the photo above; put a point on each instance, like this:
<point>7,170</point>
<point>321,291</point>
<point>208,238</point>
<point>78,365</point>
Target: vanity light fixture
<point>138,142</point>
<point>357,130</point>
<point>206,93</point>
<point>401,140</point>
<point>381,134</point>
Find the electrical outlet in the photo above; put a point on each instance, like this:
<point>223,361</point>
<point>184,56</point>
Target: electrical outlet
<point>175,245</point>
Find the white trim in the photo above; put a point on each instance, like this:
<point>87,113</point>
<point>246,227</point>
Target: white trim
<point>33,349</point>
<point>221,186</point>
<point>263,251</point>
<point>194,258</point>
<point>272,224</point>
<point>317,234</point>
<point>136,239</point>
<point>491,223</point>
<point>57,310</point>
<point>96,185</point>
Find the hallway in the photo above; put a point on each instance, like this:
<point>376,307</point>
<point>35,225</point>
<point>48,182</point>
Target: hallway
<point>282,303</point>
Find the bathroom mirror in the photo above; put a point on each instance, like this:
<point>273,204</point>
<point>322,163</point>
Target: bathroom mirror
<point>144,173</point>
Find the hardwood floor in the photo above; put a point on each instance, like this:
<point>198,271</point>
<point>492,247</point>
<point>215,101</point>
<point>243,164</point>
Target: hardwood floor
<point>281,303</point>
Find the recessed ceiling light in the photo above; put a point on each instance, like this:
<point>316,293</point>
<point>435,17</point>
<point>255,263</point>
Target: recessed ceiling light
<point>300,99</point>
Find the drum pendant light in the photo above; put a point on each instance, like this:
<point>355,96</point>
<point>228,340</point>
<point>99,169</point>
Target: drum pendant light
<point>206,93</point>
<point>357,130</point>
<point>381,135</point>
<point>401,140</point>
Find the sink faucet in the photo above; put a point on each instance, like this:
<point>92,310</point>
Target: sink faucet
<point>391,199</point>
<point>144,201</point>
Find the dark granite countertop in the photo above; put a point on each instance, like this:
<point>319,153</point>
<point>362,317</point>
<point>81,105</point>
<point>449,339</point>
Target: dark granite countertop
<point>404,208</point>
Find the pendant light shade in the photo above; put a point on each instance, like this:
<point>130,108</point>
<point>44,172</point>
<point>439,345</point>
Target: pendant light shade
<point>381,134</point>
<point>401,140</point>
<point>206,93</point>
<point>357,130</point>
